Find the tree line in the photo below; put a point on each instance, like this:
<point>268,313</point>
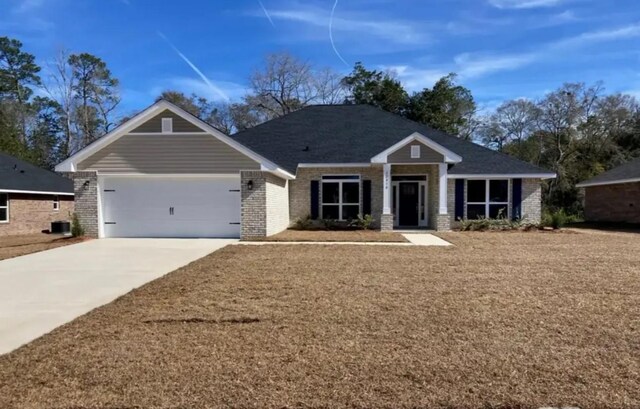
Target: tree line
<point>576,131</point>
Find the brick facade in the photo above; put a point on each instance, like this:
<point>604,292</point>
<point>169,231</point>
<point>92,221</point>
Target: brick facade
<point>33,213</point>
<point>264,207</point>
<point>531,200</point>
<point>613,203</point>
<point>85,185</point>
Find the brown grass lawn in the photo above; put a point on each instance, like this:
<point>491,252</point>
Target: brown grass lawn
<point>337,236</point>
<point>511,320</point>
<point>19,245</point>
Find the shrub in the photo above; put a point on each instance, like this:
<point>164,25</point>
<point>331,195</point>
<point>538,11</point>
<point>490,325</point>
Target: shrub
<point>303,223</point>
<point>76,228</point>
<point>556,219</point>
<point>330,224</point>
<point>362,222</point>
<point>499,224</point>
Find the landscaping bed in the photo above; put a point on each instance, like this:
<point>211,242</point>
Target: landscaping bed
<point>512,320</point>
<point>20,245</point>
<point>336,236</point>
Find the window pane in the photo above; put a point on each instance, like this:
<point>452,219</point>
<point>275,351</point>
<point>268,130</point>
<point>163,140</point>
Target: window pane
<point>3,215</point>
<point>3,199</point>
<point>330,212</point>
<point>475,211</point>
<point>330,192</point>
<point>350,192</point>
<point>498,211</point>
<point>499,191</point>
<point>476,191</point>
<point>350,212</point>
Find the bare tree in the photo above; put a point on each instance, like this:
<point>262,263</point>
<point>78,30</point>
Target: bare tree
<point>60,87</point>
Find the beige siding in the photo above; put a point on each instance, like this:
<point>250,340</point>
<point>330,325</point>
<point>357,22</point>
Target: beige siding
<point>155,124</point>
<point>194,153</point>
<point>427,155</point>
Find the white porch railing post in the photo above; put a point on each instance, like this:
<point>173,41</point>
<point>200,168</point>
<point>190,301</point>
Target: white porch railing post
<point>442,188</point>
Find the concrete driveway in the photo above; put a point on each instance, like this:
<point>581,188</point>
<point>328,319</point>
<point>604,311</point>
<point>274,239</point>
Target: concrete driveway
<point>41,291</point>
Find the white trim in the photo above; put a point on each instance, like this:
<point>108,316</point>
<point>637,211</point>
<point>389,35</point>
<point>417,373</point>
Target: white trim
<point>505,176</point>
<point>334,165</point>
<point>35,192</point>
<point>5,207</point>
<point>340,204</point>
<point>423,202</point>
<point>611,182</point>
<point>56,203</point>
<point>442,189</point>
<point>487,197</point>
<point>69,165</point>
<point>449,156</point>
<point>165,175</point>
<point>386,188</point>
<point>99,186</point>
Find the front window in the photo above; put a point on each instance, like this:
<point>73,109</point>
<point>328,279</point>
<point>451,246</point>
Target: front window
<point>56,203</point>
<point>487,199</point>
<point>340,197</point>
<point>4,207</point>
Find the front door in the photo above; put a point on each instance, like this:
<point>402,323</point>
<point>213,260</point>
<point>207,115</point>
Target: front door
<point>408,211</point>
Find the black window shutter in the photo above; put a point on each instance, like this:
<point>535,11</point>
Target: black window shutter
<point>459,214</point>
<point>516,212</point>
<point>366,197</point>
<point>315,199</point>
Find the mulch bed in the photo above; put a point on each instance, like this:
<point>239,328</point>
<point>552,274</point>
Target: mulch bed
<point>497,321</point>
<point>336,236</point>
<point>20,245</point>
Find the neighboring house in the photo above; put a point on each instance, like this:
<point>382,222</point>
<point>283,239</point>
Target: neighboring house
<point>165,173</point>
<point>31,198</point>
<point>614,196</point>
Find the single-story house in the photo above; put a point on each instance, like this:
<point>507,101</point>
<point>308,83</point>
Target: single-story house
<point>166,173</point>
<point>31,198</point>
<point>614,196</point>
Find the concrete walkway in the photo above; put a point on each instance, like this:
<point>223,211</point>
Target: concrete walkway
<point>417,239</point>
<point>41,291</point>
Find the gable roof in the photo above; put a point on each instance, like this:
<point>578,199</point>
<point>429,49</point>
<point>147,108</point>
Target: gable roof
<point>320,134</point>
<point>19,176</point>
<point>69,165</point>
<point>627,173</point>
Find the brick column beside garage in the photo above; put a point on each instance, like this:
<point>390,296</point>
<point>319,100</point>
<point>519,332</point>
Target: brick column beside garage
<point>264,208</point>
<point>85,186</point>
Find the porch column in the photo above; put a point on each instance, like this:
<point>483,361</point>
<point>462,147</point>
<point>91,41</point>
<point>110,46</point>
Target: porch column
<point>442,188</point>
<point>386,221</point>
<point>386,188</point>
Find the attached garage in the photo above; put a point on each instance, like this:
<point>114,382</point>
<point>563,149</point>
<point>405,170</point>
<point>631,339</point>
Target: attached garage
<point>173,206</point>
<point>166,173</point>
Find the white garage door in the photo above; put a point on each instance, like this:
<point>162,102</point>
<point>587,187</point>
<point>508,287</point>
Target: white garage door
<point>135,206</point>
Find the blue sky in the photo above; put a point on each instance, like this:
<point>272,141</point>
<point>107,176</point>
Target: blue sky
<point>501,49</point>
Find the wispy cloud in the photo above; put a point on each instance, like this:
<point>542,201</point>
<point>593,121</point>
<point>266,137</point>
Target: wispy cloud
<point>473,65</point>
<point>363,24</point>
<point>204,78</point>
<point>333,44</point>
<point>524,4</point>
<point>189,86</point>
<point>266,13</point>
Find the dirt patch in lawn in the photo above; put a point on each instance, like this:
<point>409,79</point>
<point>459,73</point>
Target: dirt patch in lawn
<point>499,320</point>
<point>20,245</point>
<point>336,236</point>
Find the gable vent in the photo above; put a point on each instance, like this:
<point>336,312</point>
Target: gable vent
<point>167,125</point>
<point>415,151</point>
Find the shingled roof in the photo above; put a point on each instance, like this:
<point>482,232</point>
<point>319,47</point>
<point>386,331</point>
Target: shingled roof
<point>356,133</point>
<point>626,173</point>
<point>19,176</point>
